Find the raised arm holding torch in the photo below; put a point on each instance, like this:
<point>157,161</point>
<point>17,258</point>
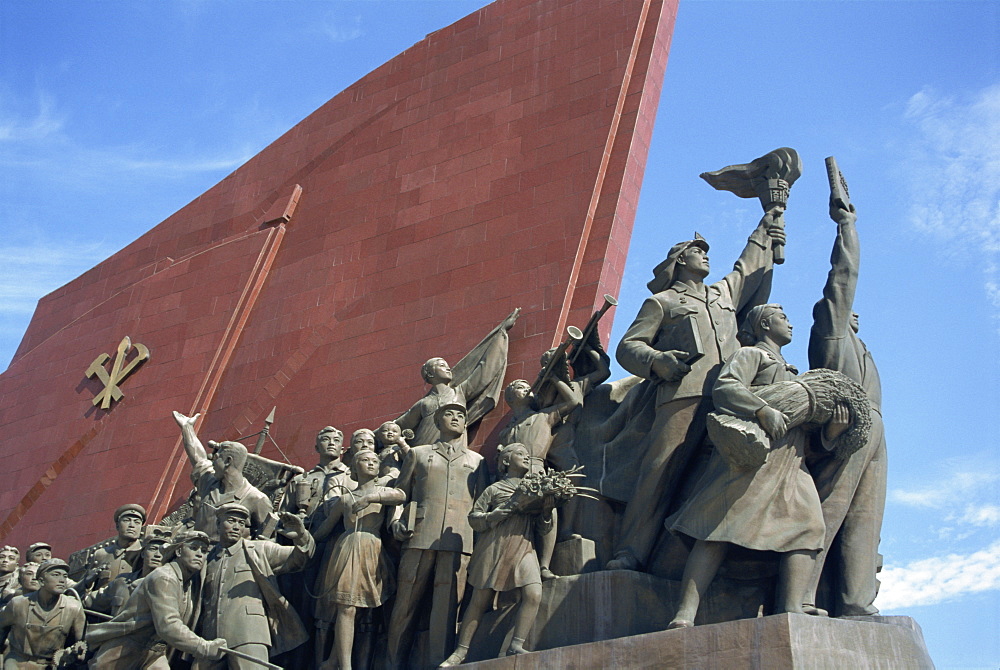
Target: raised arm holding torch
<point>768,178</point>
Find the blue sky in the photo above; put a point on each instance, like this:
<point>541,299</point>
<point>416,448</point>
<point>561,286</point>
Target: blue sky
<point>113,115</point>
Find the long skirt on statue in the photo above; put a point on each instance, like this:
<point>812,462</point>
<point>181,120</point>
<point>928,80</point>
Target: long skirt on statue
<point>773,508</point>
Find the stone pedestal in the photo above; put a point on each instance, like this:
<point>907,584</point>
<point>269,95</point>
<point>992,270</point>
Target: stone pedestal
<point>778,642</point>
<point>612,604</point>
<point>575,556</point>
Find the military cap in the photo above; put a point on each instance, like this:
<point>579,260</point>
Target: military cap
<point>232,508</point>
<point>132,509</point>
<point>449,405</point>
<point>663,274</point>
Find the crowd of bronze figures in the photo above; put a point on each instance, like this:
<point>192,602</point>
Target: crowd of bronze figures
<point>346,561</point>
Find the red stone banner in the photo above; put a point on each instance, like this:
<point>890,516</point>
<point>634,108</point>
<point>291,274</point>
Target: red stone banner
<point>495,164</point>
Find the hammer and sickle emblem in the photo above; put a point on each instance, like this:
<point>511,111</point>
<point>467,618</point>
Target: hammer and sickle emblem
<point>119,371</point>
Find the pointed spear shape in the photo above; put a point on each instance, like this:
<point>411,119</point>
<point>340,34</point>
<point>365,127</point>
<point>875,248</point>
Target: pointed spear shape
<point>262,437</point>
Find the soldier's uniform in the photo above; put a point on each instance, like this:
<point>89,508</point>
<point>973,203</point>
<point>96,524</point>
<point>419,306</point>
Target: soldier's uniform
<point>36,634</point>
<point>115,560</point>
<point>683,317</point>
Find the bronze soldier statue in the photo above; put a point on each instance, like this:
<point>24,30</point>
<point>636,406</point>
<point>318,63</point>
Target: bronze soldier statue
<point>111,598</point>
<point>43,625</point>
<point>679,340</point>
<point>120,555</point>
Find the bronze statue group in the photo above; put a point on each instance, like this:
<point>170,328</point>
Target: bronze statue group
<point>379,539</point>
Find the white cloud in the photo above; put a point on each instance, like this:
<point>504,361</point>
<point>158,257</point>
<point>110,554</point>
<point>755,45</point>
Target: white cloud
<point>981,515</point>
<point>30,271</point>
<point>933,580</point>
<point>42,141</point>
<point>957,486</point>
<point>337,31</point>
<point>954,165</point>
<point>83,167</point>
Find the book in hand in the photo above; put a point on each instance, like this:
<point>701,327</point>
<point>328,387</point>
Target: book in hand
<point>690,340</point>
<point>838,185</point>
<point>683,336</point>
<point>410,516</point>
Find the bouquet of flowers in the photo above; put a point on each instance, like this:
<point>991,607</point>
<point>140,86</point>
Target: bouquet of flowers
<point>556,485</point>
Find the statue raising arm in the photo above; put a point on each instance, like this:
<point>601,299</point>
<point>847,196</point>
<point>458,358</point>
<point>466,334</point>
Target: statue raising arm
<point>195,450</point>
<point>752,270</point>
<point>833,315</point>
<point>475,382</point>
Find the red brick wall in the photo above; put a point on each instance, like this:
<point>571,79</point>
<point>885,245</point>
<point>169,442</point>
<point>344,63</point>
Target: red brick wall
<point>495,164</point>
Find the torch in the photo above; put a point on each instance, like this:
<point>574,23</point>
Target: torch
<point>768,178</point>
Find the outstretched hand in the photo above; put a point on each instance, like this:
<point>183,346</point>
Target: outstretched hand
<point>292,526</point>
<point>511,319</point>
<point>185,421</point>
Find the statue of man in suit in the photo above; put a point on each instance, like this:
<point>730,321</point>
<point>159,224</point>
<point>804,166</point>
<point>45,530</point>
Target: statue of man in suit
<point>443,481</point>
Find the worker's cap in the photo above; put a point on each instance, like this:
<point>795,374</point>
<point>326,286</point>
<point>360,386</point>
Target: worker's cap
<point>187,537</point>
<point>157,534</point>
<point>49,565</point>
<point>39,545</point>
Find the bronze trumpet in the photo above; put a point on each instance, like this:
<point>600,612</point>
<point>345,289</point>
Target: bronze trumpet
<point>609,302</point>
<point>573,336</point>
